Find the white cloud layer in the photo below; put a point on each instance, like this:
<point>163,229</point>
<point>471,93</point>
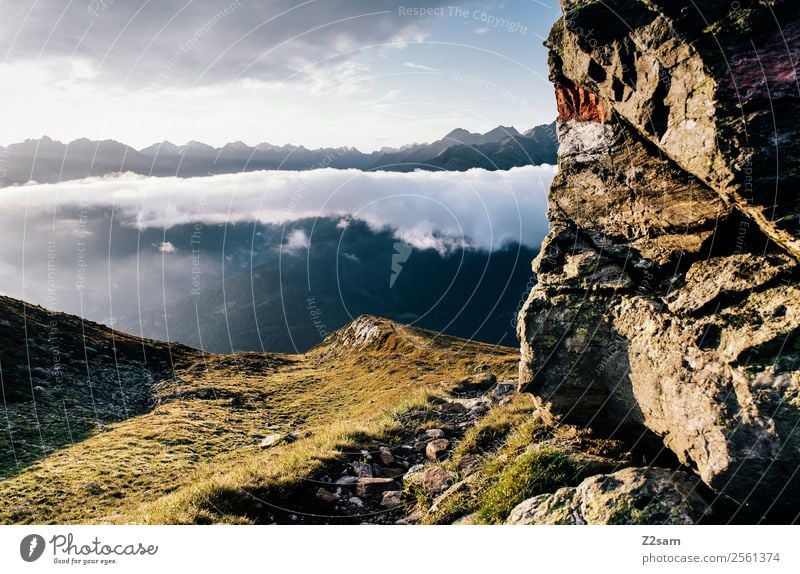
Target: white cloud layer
<point>438,210</point>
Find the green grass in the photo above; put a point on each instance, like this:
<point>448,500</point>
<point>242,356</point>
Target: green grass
<point>521,452</point>
<point>534,472</point>
<point>195,456</point>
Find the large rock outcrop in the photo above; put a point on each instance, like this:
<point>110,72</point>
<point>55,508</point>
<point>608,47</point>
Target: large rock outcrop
<point>629,496</point>
<point>668,295</point>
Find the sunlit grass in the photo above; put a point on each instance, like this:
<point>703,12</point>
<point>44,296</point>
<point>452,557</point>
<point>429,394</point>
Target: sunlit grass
<point>195,457</point>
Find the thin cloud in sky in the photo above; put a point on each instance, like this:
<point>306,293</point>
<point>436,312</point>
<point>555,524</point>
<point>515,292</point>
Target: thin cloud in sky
<point>421,67</point>
<point>310,72</point>
<point>204,41</point>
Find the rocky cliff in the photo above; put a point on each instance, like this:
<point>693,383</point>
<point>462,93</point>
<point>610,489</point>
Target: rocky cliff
<point>668,305</point>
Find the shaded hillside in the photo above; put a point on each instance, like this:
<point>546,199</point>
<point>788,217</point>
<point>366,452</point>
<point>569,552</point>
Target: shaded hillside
<point>290,300</point>
<point>64,378</point>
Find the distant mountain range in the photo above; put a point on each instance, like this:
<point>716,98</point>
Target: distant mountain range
<point>460,150</point>
<point>48,161</point>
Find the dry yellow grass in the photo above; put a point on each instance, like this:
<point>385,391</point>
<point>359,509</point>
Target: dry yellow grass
<point>196,456</point>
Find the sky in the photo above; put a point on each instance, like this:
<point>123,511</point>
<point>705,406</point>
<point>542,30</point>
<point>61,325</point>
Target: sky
<point>318,73</point>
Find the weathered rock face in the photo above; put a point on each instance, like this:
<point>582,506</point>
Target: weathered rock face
<point>668,294</point>
<point>711,83</point>
<point>629,496</point>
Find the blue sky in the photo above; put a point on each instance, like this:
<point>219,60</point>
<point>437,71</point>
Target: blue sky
<point>312,72</point>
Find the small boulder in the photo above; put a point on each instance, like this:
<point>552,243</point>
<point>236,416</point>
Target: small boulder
<point>476,383</point>
<point>412,518</point>
<point>436,448</point>
<point>326,496</point>
<point>374,487</point>
<point>362,469</point>
<point>468,464</point>
<point>503,389</point>
<point>453,408</point>
<point>271,440</point>
<point>385,456</point>
<point>414,471</point>
<point>392,498</point>
<point>384,472</point>
<point>421,445</point>
<point>435,433</point>
<point>432,479</point>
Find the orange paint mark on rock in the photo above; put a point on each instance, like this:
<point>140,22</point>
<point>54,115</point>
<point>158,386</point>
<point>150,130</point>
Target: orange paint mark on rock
<point>578,103</point>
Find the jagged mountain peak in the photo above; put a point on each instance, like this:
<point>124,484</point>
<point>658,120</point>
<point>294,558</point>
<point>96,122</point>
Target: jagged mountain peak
<point>501,132</point>
<point>163,148</point>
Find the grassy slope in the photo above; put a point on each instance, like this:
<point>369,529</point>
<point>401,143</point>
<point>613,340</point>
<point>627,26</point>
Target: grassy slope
<point>63,378</point>
<point>195,456</point>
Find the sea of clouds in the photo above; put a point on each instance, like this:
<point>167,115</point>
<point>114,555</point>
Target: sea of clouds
<point>93,247</point>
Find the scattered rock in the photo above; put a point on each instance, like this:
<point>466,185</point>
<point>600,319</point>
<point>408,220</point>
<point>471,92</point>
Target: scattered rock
<point>386,457</point>
<point>414,471</point>
<point>326,496</point>
<point>476,383</point>
<point>356,501</point>
<point>436,448</point>
<point>384,472</point>
<point>392,498</point>
<point>271,440</point>
<point>362,469</point>
<point>432,479</point>
<point>503,389</point>
<point>453,408</point>
<point>374,487</point>
<point>347,480</point>
<point>435,433</point>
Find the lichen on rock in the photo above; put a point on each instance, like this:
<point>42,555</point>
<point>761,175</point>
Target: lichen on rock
<point>629,496</point>
<point>667,298</point>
